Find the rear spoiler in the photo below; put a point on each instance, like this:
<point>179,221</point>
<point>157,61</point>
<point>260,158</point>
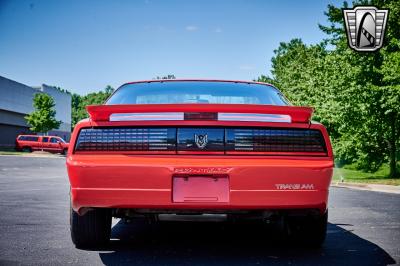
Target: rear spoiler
<point>295,114</point>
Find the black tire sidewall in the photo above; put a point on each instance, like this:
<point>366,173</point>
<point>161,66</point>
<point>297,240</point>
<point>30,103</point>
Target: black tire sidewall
<point>92,229</point>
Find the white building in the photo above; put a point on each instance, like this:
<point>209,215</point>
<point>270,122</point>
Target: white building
<point>16,101</point>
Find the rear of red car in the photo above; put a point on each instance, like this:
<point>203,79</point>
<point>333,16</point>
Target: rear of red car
<point>198,147</point>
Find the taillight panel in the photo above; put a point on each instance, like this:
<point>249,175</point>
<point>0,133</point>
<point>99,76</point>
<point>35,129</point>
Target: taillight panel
<point>274,140</point>
<point>126,139</point>
<point>202,140</point>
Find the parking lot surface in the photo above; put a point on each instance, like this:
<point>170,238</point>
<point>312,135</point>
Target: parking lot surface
<point>364,229</point>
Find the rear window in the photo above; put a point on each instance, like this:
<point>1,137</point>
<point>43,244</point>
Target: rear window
<point>197,92</point>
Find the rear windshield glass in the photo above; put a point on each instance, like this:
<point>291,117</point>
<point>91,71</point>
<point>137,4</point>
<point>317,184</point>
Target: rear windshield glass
<point>197,92</point>
<point>28,138</point>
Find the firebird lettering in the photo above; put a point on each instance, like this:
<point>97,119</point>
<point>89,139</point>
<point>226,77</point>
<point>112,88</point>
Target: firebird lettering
<point>294,186</point>
<point>202,170</point>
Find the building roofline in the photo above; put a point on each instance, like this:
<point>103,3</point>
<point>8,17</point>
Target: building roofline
<point>18,82</point>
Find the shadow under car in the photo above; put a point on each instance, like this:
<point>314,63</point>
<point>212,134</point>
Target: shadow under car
<point>216,243</point>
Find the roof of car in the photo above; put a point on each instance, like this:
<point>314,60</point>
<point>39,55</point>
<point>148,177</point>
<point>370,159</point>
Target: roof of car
<point>195,80</point>
<point>30,135</point>
<point>198,80</point>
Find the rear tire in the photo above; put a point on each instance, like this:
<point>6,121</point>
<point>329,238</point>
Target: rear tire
<point>93,229</point>
<point>64,152</point>
<point>26,149</point>
<point>311,230</point>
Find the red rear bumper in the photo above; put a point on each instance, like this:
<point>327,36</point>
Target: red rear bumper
<point>133,181</point>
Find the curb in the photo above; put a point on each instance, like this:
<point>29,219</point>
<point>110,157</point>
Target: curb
<point>36,155</point>
<point>369,187</point>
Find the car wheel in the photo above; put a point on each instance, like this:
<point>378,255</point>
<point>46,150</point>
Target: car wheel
<point>26,149</point>
<point>310,230</point>
<point>64,152</point>
<point>93,229</point>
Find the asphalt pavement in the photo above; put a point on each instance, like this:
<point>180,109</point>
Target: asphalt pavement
<point>364,229</point>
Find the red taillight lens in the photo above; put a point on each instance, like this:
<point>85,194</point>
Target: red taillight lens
<point>126,139</point>
<point>275,140</point>
<point>201,116</point>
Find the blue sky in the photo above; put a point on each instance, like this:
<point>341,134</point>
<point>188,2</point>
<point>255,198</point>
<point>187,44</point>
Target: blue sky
<point>83,46</point>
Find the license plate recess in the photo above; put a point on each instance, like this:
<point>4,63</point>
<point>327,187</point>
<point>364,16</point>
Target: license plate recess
<point>213,188</point>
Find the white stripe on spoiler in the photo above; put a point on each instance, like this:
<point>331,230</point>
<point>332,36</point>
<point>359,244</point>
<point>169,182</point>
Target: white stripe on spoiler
<point>254,117</point>
<point>170,116</point>
<point>147,116</point>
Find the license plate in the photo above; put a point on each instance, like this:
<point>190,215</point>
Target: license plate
<point>200,189</point>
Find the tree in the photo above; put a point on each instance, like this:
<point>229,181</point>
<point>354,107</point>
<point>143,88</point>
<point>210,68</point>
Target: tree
<point>42,119</point>
<point>79,103</point>
<point>169,76</point>
<point>356,95</point>
<point>108,90</point>
<point>372,121</point>
<point>307,75</point>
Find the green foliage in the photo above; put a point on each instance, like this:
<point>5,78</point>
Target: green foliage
<point>42,119</point>
<point>79,103</point>
<point>356,95</point>
<point>351,174</point>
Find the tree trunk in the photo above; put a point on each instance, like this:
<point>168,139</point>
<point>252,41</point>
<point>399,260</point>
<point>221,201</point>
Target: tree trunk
<point>393,151</point>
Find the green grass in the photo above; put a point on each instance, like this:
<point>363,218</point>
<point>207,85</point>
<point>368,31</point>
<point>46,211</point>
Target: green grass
<point>10,151</point>
<point>352,175</point>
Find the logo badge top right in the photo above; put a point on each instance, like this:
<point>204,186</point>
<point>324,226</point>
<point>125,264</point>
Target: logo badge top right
<point>365,27</point>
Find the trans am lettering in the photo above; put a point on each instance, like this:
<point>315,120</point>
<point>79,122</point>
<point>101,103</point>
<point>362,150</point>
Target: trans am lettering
<point>294,186</point>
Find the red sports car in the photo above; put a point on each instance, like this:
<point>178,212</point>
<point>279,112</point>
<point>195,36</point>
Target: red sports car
<point>199,147</point>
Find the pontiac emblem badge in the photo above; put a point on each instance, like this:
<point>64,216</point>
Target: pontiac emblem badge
<point>201,140</point>
<point>365,27</point>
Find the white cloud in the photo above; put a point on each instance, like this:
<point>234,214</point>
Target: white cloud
<point>218,30</point>
<point>191,28</point>
<point>246,67</point>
